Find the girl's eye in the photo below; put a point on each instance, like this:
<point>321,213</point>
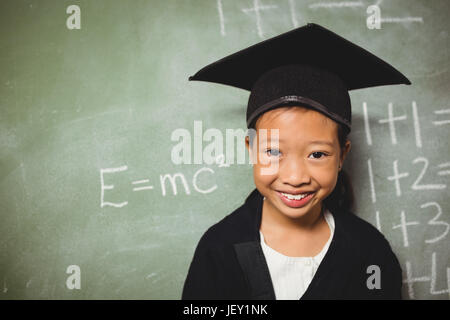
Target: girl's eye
<point>317,155</point>
<point>273,152</point>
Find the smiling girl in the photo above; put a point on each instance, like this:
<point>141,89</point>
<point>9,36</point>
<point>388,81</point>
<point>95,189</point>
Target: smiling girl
<point>295,237</point>
<point>309,157</point>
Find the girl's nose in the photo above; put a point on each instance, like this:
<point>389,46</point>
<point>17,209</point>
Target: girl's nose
<point>294,173</point>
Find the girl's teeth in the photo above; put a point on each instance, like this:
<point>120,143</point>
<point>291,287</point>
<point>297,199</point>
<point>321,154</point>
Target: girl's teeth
<point>294,197</point>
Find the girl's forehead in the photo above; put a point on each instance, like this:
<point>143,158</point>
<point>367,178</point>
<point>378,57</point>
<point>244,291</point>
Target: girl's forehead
<point>296,118</point>
<point>297,125</point>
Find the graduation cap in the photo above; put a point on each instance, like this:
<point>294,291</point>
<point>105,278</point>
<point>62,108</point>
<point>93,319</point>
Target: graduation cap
<point>309,66</point>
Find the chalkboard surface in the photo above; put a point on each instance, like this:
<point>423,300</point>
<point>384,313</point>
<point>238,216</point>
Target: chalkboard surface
<point>92,92</point>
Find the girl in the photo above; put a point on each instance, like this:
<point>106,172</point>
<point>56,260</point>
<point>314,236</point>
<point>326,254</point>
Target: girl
<point>295,236</point>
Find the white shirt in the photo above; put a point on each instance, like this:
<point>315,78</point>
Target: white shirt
<point>291,276</point>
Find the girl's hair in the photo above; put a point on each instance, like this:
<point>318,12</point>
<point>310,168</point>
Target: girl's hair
<point>342,198</point>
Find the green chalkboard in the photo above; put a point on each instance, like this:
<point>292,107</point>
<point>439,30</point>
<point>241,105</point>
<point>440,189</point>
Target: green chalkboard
<point>91,93</point>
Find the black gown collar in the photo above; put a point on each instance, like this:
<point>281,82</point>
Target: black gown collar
<point>253,263</point>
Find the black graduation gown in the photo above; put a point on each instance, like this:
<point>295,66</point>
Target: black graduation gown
<point>229,263</point>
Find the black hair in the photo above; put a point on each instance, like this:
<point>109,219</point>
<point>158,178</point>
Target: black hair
<point>342,197</point>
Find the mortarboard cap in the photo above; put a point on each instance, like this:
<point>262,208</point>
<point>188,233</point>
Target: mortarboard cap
<point>309,66</point>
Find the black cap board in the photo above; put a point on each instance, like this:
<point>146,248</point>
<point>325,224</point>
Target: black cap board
<point>309,66</point>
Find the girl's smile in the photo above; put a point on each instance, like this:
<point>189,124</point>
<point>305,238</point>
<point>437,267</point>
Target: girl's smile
<point>295,201</point>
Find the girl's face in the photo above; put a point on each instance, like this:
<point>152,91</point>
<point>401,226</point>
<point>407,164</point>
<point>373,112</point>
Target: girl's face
<point>307,159</point>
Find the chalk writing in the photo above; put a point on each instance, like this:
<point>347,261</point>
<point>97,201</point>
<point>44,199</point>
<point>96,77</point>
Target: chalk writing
<point>432,278</point>
<point>404,227</point>
<point>257,7</point>
<point>417,185</point>
<point>441,122</point>
<point>163,178</point>
<point>391,120</point>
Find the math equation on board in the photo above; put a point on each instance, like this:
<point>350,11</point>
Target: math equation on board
<point>431,209</point>
<point>144,184</point>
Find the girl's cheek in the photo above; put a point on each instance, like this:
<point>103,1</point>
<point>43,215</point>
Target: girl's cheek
<point>325,175</point>
<point>262,175</point>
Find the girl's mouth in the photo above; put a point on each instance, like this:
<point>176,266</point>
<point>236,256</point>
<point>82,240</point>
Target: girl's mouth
<point>295,201</point>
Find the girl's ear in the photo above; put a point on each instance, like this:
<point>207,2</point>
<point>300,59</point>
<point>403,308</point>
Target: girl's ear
<point>247,143</point>
<point>249,148</point>
<point>344,152</point>
<point>252,153</point>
